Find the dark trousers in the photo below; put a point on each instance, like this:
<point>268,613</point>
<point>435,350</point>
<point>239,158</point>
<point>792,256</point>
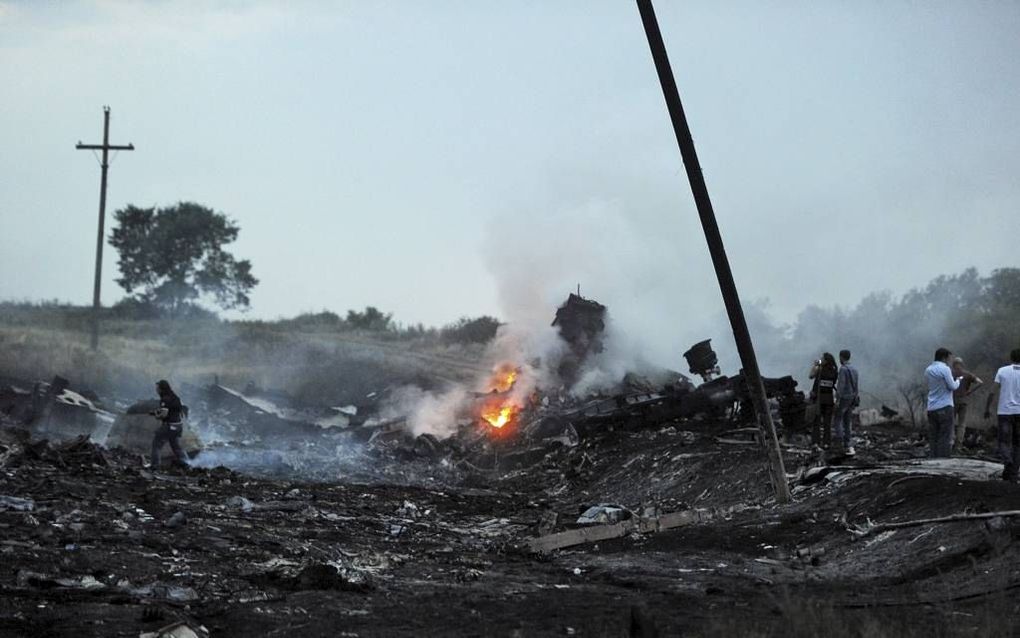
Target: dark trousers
<point>171,435</point>
<point>940,432</point>
<point>821,433</point>
<point>1009,445</point>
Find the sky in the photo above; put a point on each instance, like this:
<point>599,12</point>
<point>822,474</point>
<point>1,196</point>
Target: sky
<point>450,158</point>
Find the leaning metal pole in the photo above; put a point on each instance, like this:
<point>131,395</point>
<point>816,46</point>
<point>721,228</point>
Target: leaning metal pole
<point>102,221</point>
<point>715,246</point>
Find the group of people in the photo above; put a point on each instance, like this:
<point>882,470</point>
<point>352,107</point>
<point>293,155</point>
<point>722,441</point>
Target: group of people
<point>948,389</point>
<point>836,389</point>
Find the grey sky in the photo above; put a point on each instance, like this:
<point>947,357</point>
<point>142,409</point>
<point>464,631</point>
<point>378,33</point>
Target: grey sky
<point>440,159</point>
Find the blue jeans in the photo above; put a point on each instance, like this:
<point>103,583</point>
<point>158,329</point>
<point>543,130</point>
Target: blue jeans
<point>1009,444</point>
<point>843,422</point>
<point>940,432</point>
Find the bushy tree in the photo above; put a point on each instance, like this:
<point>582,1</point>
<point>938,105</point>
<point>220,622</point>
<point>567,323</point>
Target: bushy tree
<point>313,321</point>
<point>894,338</point>
<point>371,319</point>
<point>465,330</point>
<point>170,257</point>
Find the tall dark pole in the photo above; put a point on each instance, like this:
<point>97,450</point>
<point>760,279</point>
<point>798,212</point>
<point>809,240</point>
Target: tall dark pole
<point>106,147</point>
<point>715,246</point>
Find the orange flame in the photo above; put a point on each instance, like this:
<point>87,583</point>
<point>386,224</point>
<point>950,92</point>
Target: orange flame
<point>500,409</point>
<point>499,418</point>
<point>504,378</point>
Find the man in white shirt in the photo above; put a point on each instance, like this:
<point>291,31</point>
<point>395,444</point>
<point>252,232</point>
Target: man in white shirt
<point>941,386</point>
<point>1007,388</point>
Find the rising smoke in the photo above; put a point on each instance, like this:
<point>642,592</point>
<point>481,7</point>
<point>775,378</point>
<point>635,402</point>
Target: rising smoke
<point>657,308</point>
<point>634,271</point>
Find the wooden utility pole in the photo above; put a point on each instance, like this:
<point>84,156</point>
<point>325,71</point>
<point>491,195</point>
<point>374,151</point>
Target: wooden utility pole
<point>106,147</point>
<point>715,246</point>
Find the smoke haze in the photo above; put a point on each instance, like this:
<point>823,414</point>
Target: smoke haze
<point>823,129</point>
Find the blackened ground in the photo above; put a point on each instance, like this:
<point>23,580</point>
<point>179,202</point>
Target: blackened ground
<point>110,549</point>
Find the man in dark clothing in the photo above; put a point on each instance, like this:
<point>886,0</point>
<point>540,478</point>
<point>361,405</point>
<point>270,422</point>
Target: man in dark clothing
<point>171,416</point>
<point>824,372</point>
<point>847,398</point>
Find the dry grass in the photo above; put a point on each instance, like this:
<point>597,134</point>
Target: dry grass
<point>324,366</point>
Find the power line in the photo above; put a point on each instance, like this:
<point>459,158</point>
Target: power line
<point>106,147</point>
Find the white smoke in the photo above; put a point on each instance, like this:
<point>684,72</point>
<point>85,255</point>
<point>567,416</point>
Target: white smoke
<point>433,413</point>
<point>534,354</point>
<point>639,271</point>
<point>647,274</point>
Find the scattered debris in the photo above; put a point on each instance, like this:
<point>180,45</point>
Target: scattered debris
<point>597,533</point>
<point>9,503</point>
<point>870,528</point>
<point>602,514</point>
<point>175,630</point>
<point>176,520</point>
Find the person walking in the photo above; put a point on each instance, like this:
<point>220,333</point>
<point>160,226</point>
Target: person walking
<point>969,382</point>
<point>171,417</point>
<point>848,397</point>
<point>1007,389</point>
<point>823,392</point>
<point>941,386</point>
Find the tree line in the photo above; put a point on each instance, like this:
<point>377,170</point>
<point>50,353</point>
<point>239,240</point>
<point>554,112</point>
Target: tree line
<point>894,337</point>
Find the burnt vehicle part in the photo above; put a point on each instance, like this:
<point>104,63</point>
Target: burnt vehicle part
<point>702,360</point>
<point>581,323</point>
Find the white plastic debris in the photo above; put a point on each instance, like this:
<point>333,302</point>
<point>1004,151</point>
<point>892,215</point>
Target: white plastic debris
<point>240,503</point>
<point>603,514</point>
<point>176,630</point>
<point>17,504</point>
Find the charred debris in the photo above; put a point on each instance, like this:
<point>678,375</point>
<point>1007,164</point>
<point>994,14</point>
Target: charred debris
<point>259,430</point>
<point>544,513</point>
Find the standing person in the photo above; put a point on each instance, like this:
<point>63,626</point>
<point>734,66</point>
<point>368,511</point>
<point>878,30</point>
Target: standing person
<point>968,384</point>
<point>941,386</point>
<point>824,372</point>
<point>171,416</point>
<point>1007,388</point>
<point>848,397</point>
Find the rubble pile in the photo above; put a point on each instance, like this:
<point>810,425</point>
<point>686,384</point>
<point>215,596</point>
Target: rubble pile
<point>511,421</point>
<point>96,543</point>
<point>642,509</point>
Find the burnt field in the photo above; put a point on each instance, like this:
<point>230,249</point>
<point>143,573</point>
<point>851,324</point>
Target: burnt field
<point>503,501</point>
<point>97,544</point>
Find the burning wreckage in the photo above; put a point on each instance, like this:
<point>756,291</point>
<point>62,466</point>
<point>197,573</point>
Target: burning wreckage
<point>524,408</point>
<point>515,411</point>
<point>539,512</point>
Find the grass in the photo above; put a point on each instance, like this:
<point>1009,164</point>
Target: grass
<point>324,366</point>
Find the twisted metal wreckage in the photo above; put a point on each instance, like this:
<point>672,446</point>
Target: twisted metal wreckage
<point>491,433</point>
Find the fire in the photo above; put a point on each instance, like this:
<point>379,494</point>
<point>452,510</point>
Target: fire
<point>500,407</point>
<point>504,377</point>
<point>497,418</point>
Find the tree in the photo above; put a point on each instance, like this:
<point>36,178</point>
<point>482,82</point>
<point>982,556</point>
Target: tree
<point>371,319</point>
<point>478,330</point>
<point>171,256</point>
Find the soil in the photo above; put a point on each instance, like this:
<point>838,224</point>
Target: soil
<point>110,548</point>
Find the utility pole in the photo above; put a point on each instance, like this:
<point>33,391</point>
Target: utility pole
<point>106,147</point>
<point>715,246</point>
